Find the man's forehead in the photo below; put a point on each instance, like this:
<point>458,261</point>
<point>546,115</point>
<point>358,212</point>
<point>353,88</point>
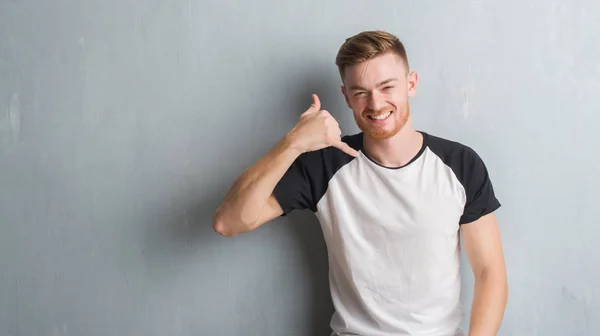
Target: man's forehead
<point>375,71</point>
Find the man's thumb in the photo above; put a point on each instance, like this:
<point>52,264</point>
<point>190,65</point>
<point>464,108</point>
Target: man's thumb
<point>316,104</point>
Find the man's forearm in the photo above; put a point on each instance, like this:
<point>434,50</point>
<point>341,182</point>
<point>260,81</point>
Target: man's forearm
<point>489,302</point>
<point>242,207</point>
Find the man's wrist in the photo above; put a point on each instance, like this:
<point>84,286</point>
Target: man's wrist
<point>290,144</point>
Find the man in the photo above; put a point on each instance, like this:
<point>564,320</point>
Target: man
<point>391,202</point>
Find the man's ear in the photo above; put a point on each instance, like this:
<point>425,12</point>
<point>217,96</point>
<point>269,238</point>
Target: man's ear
<point>346,96</point>
<point>411,84</point>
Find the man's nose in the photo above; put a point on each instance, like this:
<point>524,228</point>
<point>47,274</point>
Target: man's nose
<point>376,101</point>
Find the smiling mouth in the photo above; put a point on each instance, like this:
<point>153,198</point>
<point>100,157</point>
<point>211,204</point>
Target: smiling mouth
<point>380,116</point>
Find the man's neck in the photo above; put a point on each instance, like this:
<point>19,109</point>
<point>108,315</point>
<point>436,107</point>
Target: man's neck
<point>396,151</point>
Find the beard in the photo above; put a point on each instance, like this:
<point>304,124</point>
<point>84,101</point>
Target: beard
<point>382,132</point>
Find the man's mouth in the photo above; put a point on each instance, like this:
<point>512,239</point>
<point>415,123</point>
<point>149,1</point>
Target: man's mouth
<point>380,116</point>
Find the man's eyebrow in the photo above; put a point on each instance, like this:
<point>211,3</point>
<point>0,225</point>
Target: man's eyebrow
<point>357,87</point>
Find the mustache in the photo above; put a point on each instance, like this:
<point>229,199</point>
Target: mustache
<point>367,112</point>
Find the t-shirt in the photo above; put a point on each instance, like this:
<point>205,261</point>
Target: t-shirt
<point>392,234</point>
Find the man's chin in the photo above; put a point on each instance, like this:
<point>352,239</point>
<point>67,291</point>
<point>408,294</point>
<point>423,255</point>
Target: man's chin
<point>380,134</point>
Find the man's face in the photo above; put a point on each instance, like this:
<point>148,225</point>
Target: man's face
<point>377,91</point>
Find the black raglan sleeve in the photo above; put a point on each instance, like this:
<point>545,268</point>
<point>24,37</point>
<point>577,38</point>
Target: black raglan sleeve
<point>480,197</point>
<point>293,191</point>
<point>307,179</point>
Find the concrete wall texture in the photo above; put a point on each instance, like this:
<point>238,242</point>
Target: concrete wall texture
<point>123,124</point>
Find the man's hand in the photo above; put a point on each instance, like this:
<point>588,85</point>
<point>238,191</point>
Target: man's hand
<point>317,129</point>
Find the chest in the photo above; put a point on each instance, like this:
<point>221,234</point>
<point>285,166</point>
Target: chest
<point>371,201</point>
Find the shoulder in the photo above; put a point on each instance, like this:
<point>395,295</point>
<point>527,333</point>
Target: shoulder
<point>459,156</point>
<point>464,161</point>
<point>448,149</point>
<point>307,179</point>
